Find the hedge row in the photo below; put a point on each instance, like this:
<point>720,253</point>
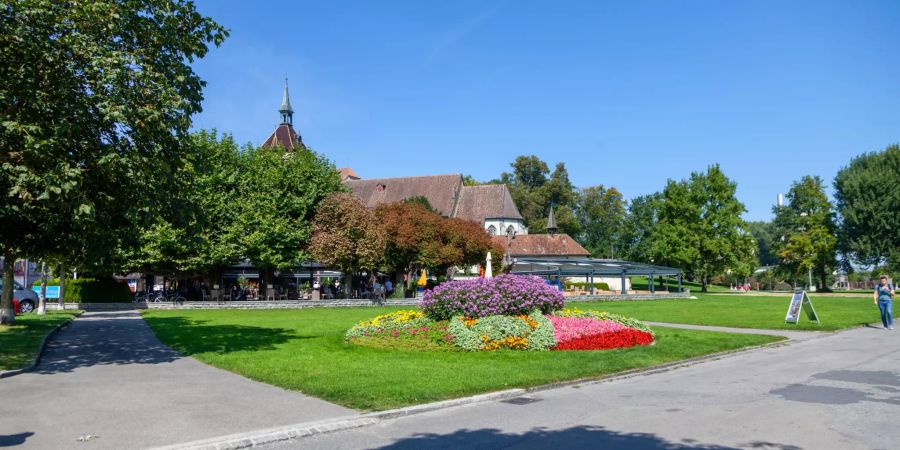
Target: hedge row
<point>93,290</point>
<point>587,286</point>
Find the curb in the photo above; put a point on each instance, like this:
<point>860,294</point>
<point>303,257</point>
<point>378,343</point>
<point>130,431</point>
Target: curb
<point>271,435</point>
<point>40,352</point>
<point>268,436</point>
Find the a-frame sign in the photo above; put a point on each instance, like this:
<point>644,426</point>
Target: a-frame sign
<point>799,301</point>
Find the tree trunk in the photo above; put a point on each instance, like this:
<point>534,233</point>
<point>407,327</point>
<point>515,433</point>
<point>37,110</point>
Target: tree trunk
<point>42,299</point>
<point>399,284</point>
<point>63,275</point>
<point>704,280</point>
<point>348,283</point>
<point>7,314</point>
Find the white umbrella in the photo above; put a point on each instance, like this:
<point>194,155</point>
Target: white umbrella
<point>488,272</point>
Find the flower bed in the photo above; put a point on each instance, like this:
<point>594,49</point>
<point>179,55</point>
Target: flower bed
<point>517,329</point>
<point>531,332</point>
<point>506,295</point>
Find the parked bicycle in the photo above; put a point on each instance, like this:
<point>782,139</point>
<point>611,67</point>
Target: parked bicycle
<point>148,297</point>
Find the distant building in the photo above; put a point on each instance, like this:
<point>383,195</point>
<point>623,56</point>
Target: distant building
<point>285,135</point>
<point>491,206</point>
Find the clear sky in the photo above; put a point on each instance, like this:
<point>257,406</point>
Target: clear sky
<point>626,93</point>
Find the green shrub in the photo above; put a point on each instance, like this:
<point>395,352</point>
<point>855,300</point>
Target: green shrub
<point>50,282</point>
<point>587,286</point>
<point>94,290</point>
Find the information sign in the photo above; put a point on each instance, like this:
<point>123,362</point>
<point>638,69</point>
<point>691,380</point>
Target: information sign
<point>801,301</point>
<point>52,291</point>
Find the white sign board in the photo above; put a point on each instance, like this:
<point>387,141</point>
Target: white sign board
<point>801,301</point>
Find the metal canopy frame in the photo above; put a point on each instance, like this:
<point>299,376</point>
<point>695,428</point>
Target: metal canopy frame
<point>591,267</point>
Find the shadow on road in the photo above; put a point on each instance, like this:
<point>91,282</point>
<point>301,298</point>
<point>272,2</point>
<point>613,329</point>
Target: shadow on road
<point>114,338</point>
<point>575,437</point>
<point>9,440</point>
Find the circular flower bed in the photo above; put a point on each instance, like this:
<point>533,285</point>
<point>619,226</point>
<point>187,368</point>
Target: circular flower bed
<point>510,312</point>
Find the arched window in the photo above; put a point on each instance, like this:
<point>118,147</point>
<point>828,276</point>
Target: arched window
<point>492,230</point>
<point>510,229</point>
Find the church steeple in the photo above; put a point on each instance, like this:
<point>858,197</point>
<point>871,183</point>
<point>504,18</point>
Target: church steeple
<point>287,113</point>
<point>551,222</point>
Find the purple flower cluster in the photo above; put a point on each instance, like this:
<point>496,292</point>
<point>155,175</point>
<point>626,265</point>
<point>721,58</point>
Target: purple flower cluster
<point>502,295</point>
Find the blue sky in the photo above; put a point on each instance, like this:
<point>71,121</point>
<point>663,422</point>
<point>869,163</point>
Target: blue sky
<point>626,93</point>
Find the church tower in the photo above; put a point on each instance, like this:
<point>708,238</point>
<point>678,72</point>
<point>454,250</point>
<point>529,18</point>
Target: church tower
<point>285,135</point>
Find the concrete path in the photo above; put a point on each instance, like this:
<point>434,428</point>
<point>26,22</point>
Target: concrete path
<point>107,375</point>
<point>790,334</point>
<point>839,391</point>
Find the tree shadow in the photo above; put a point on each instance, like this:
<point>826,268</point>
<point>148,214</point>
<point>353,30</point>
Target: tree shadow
<point>195,336</point>
<point>9,440</point>
<point>575,437</point>
<point>119,339</point>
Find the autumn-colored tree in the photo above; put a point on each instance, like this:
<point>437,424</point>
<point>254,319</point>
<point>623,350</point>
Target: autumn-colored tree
<point>346,235</point>
<point>420,238</point>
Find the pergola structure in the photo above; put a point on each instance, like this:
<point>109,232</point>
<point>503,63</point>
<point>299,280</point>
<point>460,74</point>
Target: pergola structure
<point>591,267</point>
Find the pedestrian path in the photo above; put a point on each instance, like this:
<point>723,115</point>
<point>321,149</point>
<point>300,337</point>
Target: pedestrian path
<point>106,382</point>
<point>790,334</point>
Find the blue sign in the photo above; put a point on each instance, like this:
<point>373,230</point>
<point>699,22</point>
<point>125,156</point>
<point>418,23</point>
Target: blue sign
<point>52,291</point>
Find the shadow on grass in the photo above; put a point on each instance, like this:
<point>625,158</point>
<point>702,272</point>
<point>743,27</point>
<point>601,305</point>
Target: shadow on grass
<point>575,437</point>
<point>119,339</point>
<point>194,336</point>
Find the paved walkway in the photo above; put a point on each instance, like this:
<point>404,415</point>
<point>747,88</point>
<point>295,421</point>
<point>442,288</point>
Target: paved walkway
<point>790,334</point>
<point>107,375</point>
<point>838,391</point>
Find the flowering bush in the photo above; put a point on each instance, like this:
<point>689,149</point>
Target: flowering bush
<point>603,315</point>
<point>505,294</point>
<point>531,332</point>
<point>395,321</point>
<point>626,337</point>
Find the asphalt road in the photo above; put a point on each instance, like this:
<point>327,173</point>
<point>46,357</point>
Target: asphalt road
<point>835,391</point>
<point>107,376</point>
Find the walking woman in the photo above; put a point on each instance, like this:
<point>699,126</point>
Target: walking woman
<point>884,295</point>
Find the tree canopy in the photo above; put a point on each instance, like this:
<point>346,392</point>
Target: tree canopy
<point>97,99</point>
<point>867,193</point>
<point>806,231</point>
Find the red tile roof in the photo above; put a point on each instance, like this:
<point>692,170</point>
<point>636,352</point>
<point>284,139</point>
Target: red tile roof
<point>560,244</point>
<point>347,173</point>
<point>285,136</point>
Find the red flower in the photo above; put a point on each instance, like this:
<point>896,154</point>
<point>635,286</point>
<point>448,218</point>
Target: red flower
<point>615,339</point>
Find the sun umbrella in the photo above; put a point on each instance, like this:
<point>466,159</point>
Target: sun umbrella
<point>423,280</point>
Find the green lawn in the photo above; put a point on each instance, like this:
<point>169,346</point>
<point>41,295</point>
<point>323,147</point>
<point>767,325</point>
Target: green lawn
<point>746,311</point>
<point>19,343</point>
<point>304,350</point>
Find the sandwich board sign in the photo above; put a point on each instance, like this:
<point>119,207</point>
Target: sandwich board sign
<point>801,301</point>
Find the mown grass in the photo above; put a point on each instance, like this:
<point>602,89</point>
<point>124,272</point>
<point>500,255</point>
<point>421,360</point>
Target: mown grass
<point>19,343</point>
<point>304,350</point>
<point>746,311</point>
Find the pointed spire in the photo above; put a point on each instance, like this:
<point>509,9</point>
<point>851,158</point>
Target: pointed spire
<point>551,222</point>
<point>287,113</point>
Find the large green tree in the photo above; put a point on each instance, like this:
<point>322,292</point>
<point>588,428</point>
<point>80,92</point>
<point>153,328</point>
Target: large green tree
<point>639,227</point>
<point>765,235</point>
<point>806,231</point>
<point>700,228</point>
<point>601,213</point>
<point>867,193</point>
<point>95,102</point>
<point>534,192</point>
<point>279,193</point>
<point>194,236</point>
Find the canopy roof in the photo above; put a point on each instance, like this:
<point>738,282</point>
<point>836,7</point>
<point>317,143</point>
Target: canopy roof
<point>588,266</point>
